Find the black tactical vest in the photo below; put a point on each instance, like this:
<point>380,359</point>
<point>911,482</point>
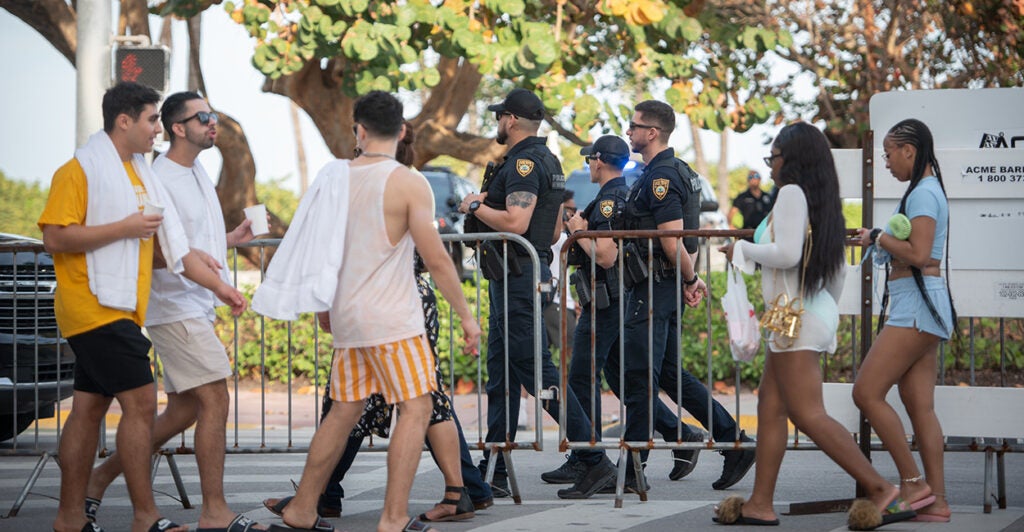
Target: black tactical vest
<point>691,208</point>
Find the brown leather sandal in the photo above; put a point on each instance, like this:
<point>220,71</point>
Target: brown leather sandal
<point>463,506</point>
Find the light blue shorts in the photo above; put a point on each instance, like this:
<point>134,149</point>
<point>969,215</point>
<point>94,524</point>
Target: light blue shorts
<point>907,307</point>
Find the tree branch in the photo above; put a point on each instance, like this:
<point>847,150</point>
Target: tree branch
<point>55,20</point>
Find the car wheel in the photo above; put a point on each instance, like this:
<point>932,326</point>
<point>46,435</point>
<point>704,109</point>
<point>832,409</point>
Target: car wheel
<point>9,426</point>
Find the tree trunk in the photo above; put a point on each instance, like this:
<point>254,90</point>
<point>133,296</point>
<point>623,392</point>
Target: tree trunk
<point>55,20</point>
<point>723,168</point>
<point>700,162</point>
<point>300,149</point>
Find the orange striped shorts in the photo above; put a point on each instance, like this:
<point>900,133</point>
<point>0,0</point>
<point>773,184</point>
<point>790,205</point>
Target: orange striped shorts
<point>400,370</point>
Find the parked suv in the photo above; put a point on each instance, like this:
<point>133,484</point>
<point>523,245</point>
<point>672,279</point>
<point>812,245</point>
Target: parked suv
<point>36,364</point>
<point>449,189</point>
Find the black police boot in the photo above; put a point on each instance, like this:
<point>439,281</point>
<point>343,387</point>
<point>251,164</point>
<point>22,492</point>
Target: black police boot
<point>737,463</point>
<point>685,460</point>
<point>594,478</point>
<point>568,473</point>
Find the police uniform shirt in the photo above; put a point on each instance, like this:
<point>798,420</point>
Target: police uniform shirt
<point>659,191</point>
<point>521,171</point>
<point>608,204</point>
<point>753,209</point>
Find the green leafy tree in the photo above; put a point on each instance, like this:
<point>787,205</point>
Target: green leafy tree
<point>324,53</point>
<point>21,204</point>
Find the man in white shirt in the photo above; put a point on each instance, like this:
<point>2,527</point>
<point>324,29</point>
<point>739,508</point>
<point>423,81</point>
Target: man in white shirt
<point>180,318</point>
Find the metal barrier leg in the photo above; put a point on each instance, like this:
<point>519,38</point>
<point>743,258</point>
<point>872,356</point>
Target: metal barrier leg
<point>620,478</point>
<point>513,484</point>
<point>1001,479</point>
<point>173,466</point>
<point>28,485</point>
<point>638,470</point>
<point>987,486</point>
<point>155,468</point>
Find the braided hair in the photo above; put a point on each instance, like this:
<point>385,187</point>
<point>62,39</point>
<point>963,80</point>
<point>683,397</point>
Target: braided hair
<point>915,133</point>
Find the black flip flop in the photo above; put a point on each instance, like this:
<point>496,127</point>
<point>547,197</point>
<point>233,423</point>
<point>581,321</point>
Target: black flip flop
<point>240,523</point>
<point>278,508</point>
<point>162,525</point>
<point>751,521</point>
<point>320,526</point>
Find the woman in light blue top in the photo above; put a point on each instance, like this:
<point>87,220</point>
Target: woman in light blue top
<point>802,254</point>
<point>920,316</point>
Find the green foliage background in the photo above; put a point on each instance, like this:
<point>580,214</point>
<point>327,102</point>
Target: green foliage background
<point>21,204</point>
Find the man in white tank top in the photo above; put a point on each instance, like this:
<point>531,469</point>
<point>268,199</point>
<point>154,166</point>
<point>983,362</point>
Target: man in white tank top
<point>376,317</point>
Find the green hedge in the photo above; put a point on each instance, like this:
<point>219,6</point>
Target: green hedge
<point>838,366</point>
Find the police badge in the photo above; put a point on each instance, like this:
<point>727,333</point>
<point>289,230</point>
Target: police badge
<point>660,187</point>
<point>607,208</point>
<point>524,167</point>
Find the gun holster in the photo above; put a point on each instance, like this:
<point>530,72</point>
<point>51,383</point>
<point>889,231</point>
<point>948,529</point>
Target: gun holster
<point>491,262</point>
<point>634,264</point>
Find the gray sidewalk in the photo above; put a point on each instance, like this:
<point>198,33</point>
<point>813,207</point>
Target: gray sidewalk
<point>806,476</point>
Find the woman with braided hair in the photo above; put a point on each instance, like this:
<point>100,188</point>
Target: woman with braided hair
<point>921,316</point>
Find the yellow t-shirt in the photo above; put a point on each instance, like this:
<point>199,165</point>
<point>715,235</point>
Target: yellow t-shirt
<point>77,309</point>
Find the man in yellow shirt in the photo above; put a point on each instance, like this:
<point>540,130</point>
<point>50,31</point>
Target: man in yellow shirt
<point>100,316</point>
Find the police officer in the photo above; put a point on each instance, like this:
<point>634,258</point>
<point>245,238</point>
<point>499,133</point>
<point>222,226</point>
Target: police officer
<point>523,197</point>
<point>754,204</point>
<point>599,301</point>
<point>666,197</point>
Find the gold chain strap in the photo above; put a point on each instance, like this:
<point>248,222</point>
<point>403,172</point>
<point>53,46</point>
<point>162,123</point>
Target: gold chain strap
<point>783,316</point>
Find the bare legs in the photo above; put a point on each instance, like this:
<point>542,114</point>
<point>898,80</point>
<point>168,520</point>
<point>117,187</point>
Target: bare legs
<point>907,357</point>
<point>324,453</point>
<point>791,388</point>
<point>78,448</point>
<point>403,459</point>
<point>444,440</point>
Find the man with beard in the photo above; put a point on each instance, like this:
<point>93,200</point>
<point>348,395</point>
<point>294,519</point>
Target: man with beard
<point>523,198</point>
<point>666,197</point>
<point>180,318</point>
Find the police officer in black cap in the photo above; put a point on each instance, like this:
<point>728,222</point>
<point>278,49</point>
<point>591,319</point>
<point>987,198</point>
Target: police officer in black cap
<point>523,196</point>
<point>667,197</point>
<point>599,300</point>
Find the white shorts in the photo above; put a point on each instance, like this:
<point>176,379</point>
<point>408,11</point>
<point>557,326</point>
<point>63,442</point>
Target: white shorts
<point>191,354</point>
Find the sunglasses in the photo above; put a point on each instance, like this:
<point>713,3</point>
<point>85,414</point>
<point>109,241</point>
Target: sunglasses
<point>634,125</point>
<point>592,157</point>
<point>499,114</point>
<point>203,117</point>
<point>768,160</point>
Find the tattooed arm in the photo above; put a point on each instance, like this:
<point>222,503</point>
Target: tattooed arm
<point>516,216</point>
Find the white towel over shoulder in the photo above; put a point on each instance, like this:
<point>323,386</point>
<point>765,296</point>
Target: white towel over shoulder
<point>303,274</point>
<point>114,269</point>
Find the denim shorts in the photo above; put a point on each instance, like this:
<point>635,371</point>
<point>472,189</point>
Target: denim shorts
<point>907,307</point>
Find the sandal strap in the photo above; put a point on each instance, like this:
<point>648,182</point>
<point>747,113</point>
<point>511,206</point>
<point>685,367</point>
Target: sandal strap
<point>453,489</point>
<point>453,502</point>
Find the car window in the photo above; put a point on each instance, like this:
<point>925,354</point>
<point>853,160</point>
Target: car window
<point>442,188</point>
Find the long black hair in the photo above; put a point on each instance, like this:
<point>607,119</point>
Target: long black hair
<point>807,162</point>
<point>915,133</point>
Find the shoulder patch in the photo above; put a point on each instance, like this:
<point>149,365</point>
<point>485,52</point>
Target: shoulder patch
<point>524,167</point>
<point>660,188</point>
<point>607,208</point>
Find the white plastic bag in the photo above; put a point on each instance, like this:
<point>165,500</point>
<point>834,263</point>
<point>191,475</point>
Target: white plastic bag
<point>744,330</point>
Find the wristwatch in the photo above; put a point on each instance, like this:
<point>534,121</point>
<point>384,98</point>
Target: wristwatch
<point>874,234</point>
<point>474,205</point>
<point>691,282</point>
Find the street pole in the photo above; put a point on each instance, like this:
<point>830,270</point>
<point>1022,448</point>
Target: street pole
<point>92,64</point>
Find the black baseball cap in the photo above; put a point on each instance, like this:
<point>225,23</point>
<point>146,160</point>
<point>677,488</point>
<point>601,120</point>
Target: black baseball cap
<point>521,103</point>
<point>609,148</point>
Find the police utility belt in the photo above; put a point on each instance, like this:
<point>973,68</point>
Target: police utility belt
<point>603,292</point>
<point>636,269</point>
<point>492,263</point>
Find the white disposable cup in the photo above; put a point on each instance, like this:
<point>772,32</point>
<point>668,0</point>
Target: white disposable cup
<point>149,208</point>
<point>257,214</point>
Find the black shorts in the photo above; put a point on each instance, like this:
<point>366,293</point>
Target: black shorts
<point>111,359</point>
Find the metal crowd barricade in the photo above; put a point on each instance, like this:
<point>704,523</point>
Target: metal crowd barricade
<point>620,444</point>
